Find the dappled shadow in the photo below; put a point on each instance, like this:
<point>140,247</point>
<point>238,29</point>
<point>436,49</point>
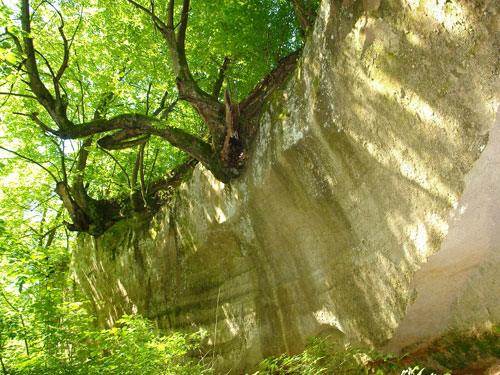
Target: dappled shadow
<point>345,195</point>
<point>393,119</point>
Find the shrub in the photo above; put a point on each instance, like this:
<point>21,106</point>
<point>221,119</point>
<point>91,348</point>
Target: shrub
<point>321,357</point>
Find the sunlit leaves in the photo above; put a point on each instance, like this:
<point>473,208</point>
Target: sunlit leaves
<point>254,34</point>
<point>115,48</point>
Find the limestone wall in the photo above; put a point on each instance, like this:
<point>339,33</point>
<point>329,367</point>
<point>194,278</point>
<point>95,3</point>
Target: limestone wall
<point>348,190</point>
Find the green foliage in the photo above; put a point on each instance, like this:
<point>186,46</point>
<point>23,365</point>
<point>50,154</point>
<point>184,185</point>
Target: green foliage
<point>114,48</point>
<point>322,357</point>
<point>44,328</point>
<point>135,348</point>
<point>319,357</point>
<point>72,345</point>
<point>458,349</point>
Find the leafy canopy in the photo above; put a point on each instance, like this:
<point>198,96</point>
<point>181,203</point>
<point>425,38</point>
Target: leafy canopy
<point>92,89</point>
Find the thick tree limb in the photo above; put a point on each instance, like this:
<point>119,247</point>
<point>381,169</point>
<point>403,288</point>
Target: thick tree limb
<point>62,157</point>
<point>152,168</point>
<point>181,32</point>
<point>208,107</point>
<point>56,107</point>
<point>133,192</point>
<point>142,182</point>
<point>134,125</point>
<point>251,106</point>
<point>122,140</point>
<point>88,214</point>
<point>80,220</point>
<point>78,190</point>
<point>137,196</point>
<point>66,47</point>
<point>170,14</point>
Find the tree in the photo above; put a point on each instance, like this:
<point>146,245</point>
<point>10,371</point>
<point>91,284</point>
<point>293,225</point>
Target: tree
<point>140,73</point>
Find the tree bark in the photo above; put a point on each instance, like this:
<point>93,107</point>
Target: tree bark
<point>56,107</point>
<point>251,106</point>
<point>232,126</point>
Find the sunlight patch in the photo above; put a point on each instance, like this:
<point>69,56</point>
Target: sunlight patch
<point>324,316</point>
<point>219,215</point>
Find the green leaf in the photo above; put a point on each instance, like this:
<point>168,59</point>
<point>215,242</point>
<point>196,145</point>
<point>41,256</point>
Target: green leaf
<point>9,57</point>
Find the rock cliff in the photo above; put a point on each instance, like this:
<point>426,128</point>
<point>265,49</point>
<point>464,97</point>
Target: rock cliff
<point>380,151</point>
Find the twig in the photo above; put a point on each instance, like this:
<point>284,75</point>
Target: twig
<point>21,318</point>
<point>147,97</point>
<point>162,104</point>
<point>151,170</point>
<point>159,22</point>
<point>141,174</point>
<point>31,161</point>
<point>20,95</point>
<point>118,163</point>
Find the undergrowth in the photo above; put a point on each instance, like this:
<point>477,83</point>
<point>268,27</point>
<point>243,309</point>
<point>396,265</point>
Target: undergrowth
<point>324,358</point>
<point>74,346</point>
